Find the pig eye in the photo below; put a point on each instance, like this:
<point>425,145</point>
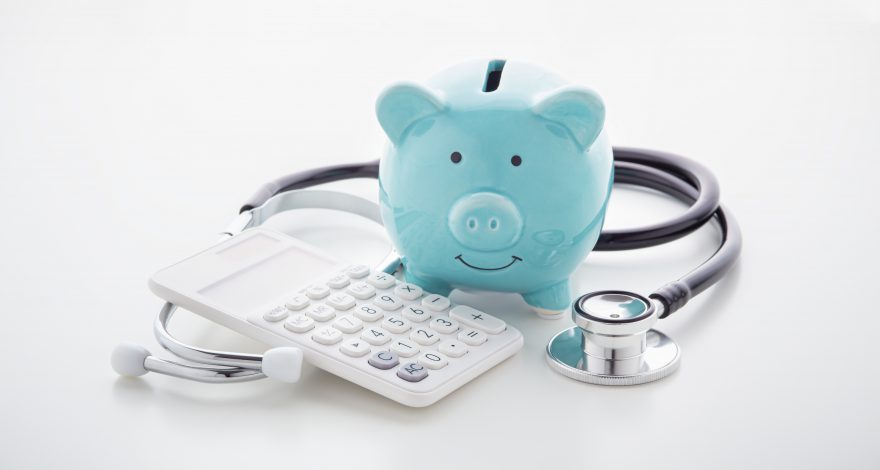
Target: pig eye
<point>455,157</point>
<point>516,160</point>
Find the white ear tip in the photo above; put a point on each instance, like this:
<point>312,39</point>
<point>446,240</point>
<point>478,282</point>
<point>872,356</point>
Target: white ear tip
<point>284,364</point>
<point>128,359</point>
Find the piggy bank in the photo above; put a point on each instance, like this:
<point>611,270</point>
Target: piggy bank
<point>496,177</point>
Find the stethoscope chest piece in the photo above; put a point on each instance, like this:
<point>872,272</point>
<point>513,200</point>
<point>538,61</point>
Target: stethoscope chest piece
<point>612,342</point>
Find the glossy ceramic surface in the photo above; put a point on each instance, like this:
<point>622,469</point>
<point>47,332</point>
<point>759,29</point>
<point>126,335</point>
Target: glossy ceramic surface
<point>496,177</point>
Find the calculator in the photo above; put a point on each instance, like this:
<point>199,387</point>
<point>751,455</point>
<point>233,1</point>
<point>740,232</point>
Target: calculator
<point>366,326</point>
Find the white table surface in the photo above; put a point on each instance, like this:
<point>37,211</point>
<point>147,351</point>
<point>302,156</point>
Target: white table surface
<point>131,131</point>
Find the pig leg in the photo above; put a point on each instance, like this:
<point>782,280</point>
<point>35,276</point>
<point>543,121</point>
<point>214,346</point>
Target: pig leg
<point>432,286</point>
<point>550,302</point>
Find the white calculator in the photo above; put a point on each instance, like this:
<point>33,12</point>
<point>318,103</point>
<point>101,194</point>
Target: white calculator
<point>368,327</point>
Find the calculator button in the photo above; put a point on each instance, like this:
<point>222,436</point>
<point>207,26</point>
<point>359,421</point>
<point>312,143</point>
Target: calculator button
<point>453,348</point>
<point>327,335</point>
<point>276,314</point>
<point>472,337</point>
<point>396,325</point>
<point>361,290</point>
<point>341,301</point>
<point>383,360</point>
<point>408,291</point>
<point>435,302</point>
<point>387,302</point>
<point>338,281</point>
<point>368,313</point>
<point>477,319</point>
<point>321,312</point>
<point>354,347</point>
<point>416,314</point>
<point>444,325</point>
<point>348,324</point>
<point>412,372</point>
<point>381,280</point>
<point>297,302</point>
<point>317,291</point>
<point>433,360</point>
<point>424,336</point>
<point>299,323</point>
<point>357,271</point>
<point>404,347</point>
<point>376,336</point>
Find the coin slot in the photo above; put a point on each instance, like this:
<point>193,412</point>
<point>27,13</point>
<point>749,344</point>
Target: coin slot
<point>493,75</point>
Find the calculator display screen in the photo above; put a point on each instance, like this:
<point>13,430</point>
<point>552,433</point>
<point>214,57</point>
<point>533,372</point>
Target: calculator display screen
<point>267,280</point>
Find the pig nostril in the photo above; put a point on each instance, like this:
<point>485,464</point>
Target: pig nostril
<point>485,222</point>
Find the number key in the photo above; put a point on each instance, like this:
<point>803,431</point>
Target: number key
<point>396,325</point>
<point>444,325</point>
<point>376,336</point>
<point>387,302</point>
<point>433,360</point>
<point>368,313</point>
<point>348,324</point>
<point>416,314</point>
<point>404,347</point>
<point>424,336</point>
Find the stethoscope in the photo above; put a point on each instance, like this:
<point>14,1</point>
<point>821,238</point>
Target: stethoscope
<point>612,341</point>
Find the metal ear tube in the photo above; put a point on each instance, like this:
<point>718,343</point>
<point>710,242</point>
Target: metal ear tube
<point>612,342</point>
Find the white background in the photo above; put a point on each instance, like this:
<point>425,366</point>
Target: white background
<point>131,131</point>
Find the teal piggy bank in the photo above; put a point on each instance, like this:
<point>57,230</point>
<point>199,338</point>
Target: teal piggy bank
<point>496,177</point>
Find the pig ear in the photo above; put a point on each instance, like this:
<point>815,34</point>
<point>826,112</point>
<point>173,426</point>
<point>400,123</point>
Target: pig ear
<point>402,105</point>
<point>579,110</point>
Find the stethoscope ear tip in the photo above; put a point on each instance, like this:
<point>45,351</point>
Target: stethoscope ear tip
<point>128,359</point>
<point>283,364</point>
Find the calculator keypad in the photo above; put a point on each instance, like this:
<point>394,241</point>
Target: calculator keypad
<point>299,323</point>
<point>389,326</point>
<point>412,372</point>
<point>435,302</point>
<point>355,347</point>
<point>384,360</point>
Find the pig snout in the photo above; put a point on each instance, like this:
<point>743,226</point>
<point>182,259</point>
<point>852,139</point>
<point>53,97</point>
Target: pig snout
<point>485,221</point>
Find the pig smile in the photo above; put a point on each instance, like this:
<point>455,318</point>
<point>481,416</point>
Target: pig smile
<point>513,259</point>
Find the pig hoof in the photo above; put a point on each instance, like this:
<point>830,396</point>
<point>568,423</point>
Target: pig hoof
<point>546,314</point>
